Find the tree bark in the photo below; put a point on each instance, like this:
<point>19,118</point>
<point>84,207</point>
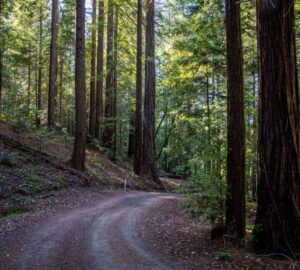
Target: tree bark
<point>278,193</point>
<point>29,80</point>
<point>138,123</point>
<point>148,168</point>
<point>99,94</point>
<point>131,142</point>
<point>109,91</point>
<point>61,88</point>
<point>40,66</point>
<point>92,124</point>
<point>78,156</point>
<point>115,83</point>
<point>53,65</point>
<point>1,56</point>
<point>235,199</point>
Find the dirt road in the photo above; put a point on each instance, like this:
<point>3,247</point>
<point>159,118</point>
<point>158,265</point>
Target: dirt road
<point>99,237</point>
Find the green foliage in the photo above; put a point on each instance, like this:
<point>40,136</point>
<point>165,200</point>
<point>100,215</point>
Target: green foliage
<point>223,256</point>
<point>206,198</point>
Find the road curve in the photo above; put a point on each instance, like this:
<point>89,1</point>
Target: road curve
<point>100,237</point>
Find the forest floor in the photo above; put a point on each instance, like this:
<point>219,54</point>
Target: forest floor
<point>55,218</point>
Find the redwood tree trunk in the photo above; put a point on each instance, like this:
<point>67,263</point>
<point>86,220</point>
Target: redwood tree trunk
<point>149,167</point>
<point>99,94</point>
<point>235,199</point>
<point>78,156</point>
<point>40,66</point>
<point>61,88</point>
<point>1,57</point>
<point>278,194</point>
<point>53,65</point>
<point>109,91</point>
<point>138,123</point>
<point>92,122</point>
<point>115,84</point>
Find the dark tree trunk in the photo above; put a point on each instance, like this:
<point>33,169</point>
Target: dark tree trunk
<point>78,156</point>
<point>138,123</point>
<point>92,122</point>
<point>278,194</point>
<point>115,84</point>
<point>1,57</point>
<point>99,94</point>
<point>40,66</point>
<point>148,168</point>
<point>109,91</point>
<point>61,89</point>
<point>53,66</point>
<point>131,142</point>
<point>235,199</point>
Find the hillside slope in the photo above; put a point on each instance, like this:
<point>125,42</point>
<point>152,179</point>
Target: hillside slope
<point>34,166</point>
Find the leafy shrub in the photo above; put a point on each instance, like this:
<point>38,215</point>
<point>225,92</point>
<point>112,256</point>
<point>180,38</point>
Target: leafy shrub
<point>206,198</point>
<point>223,256</point>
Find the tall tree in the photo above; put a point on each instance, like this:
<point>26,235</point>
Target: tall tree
<point>78,156</point>
<point>109,91</point>
<point>40,67</point>
<point>235,199</point>
<point>53,65</point>
<point>1,56</point>
<point>28,79</point>
<point>138,123</point>
<point>92,122</point>
<point>149,167</point>
<point>115,83</point>
<point>278,194</point>
<point>99,90</point>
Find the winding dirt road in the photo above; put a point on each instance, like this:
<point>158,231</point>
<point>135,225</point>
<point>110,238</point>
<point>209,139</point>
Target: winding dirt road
<point>99,237</point>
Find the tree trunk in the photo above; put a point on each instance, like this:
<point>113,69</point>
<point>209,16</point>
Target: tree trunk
<point>1,57</point>
<point>109,91</point>
<point>235,199</point>
<point>277,225</point>
<point>92,124</point>
<point>99,94</point>
<point>78,156</point>
<point>53,66</point>
<point>131,142</point>
<point>29,80</point>
<point>138,123</point>
<point>61,89</point>
<point>148,168</point>
<point>40,66</point>
<point>115,84</point>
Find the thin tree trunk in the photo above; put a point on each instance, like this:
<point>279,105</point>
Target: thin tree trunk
<point>148,168</point>
<point>138,123</point>
<point>99,94</point>
<point>131,142</point>
<point>29,80</point>
<point>235,199</point>
<point>78,156</point>
<point>278,192</point>
<point>53,66</point>
<point>109,91</point>
<point>61,89</point>
<point>40,66</point>
<point>92,122</point>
